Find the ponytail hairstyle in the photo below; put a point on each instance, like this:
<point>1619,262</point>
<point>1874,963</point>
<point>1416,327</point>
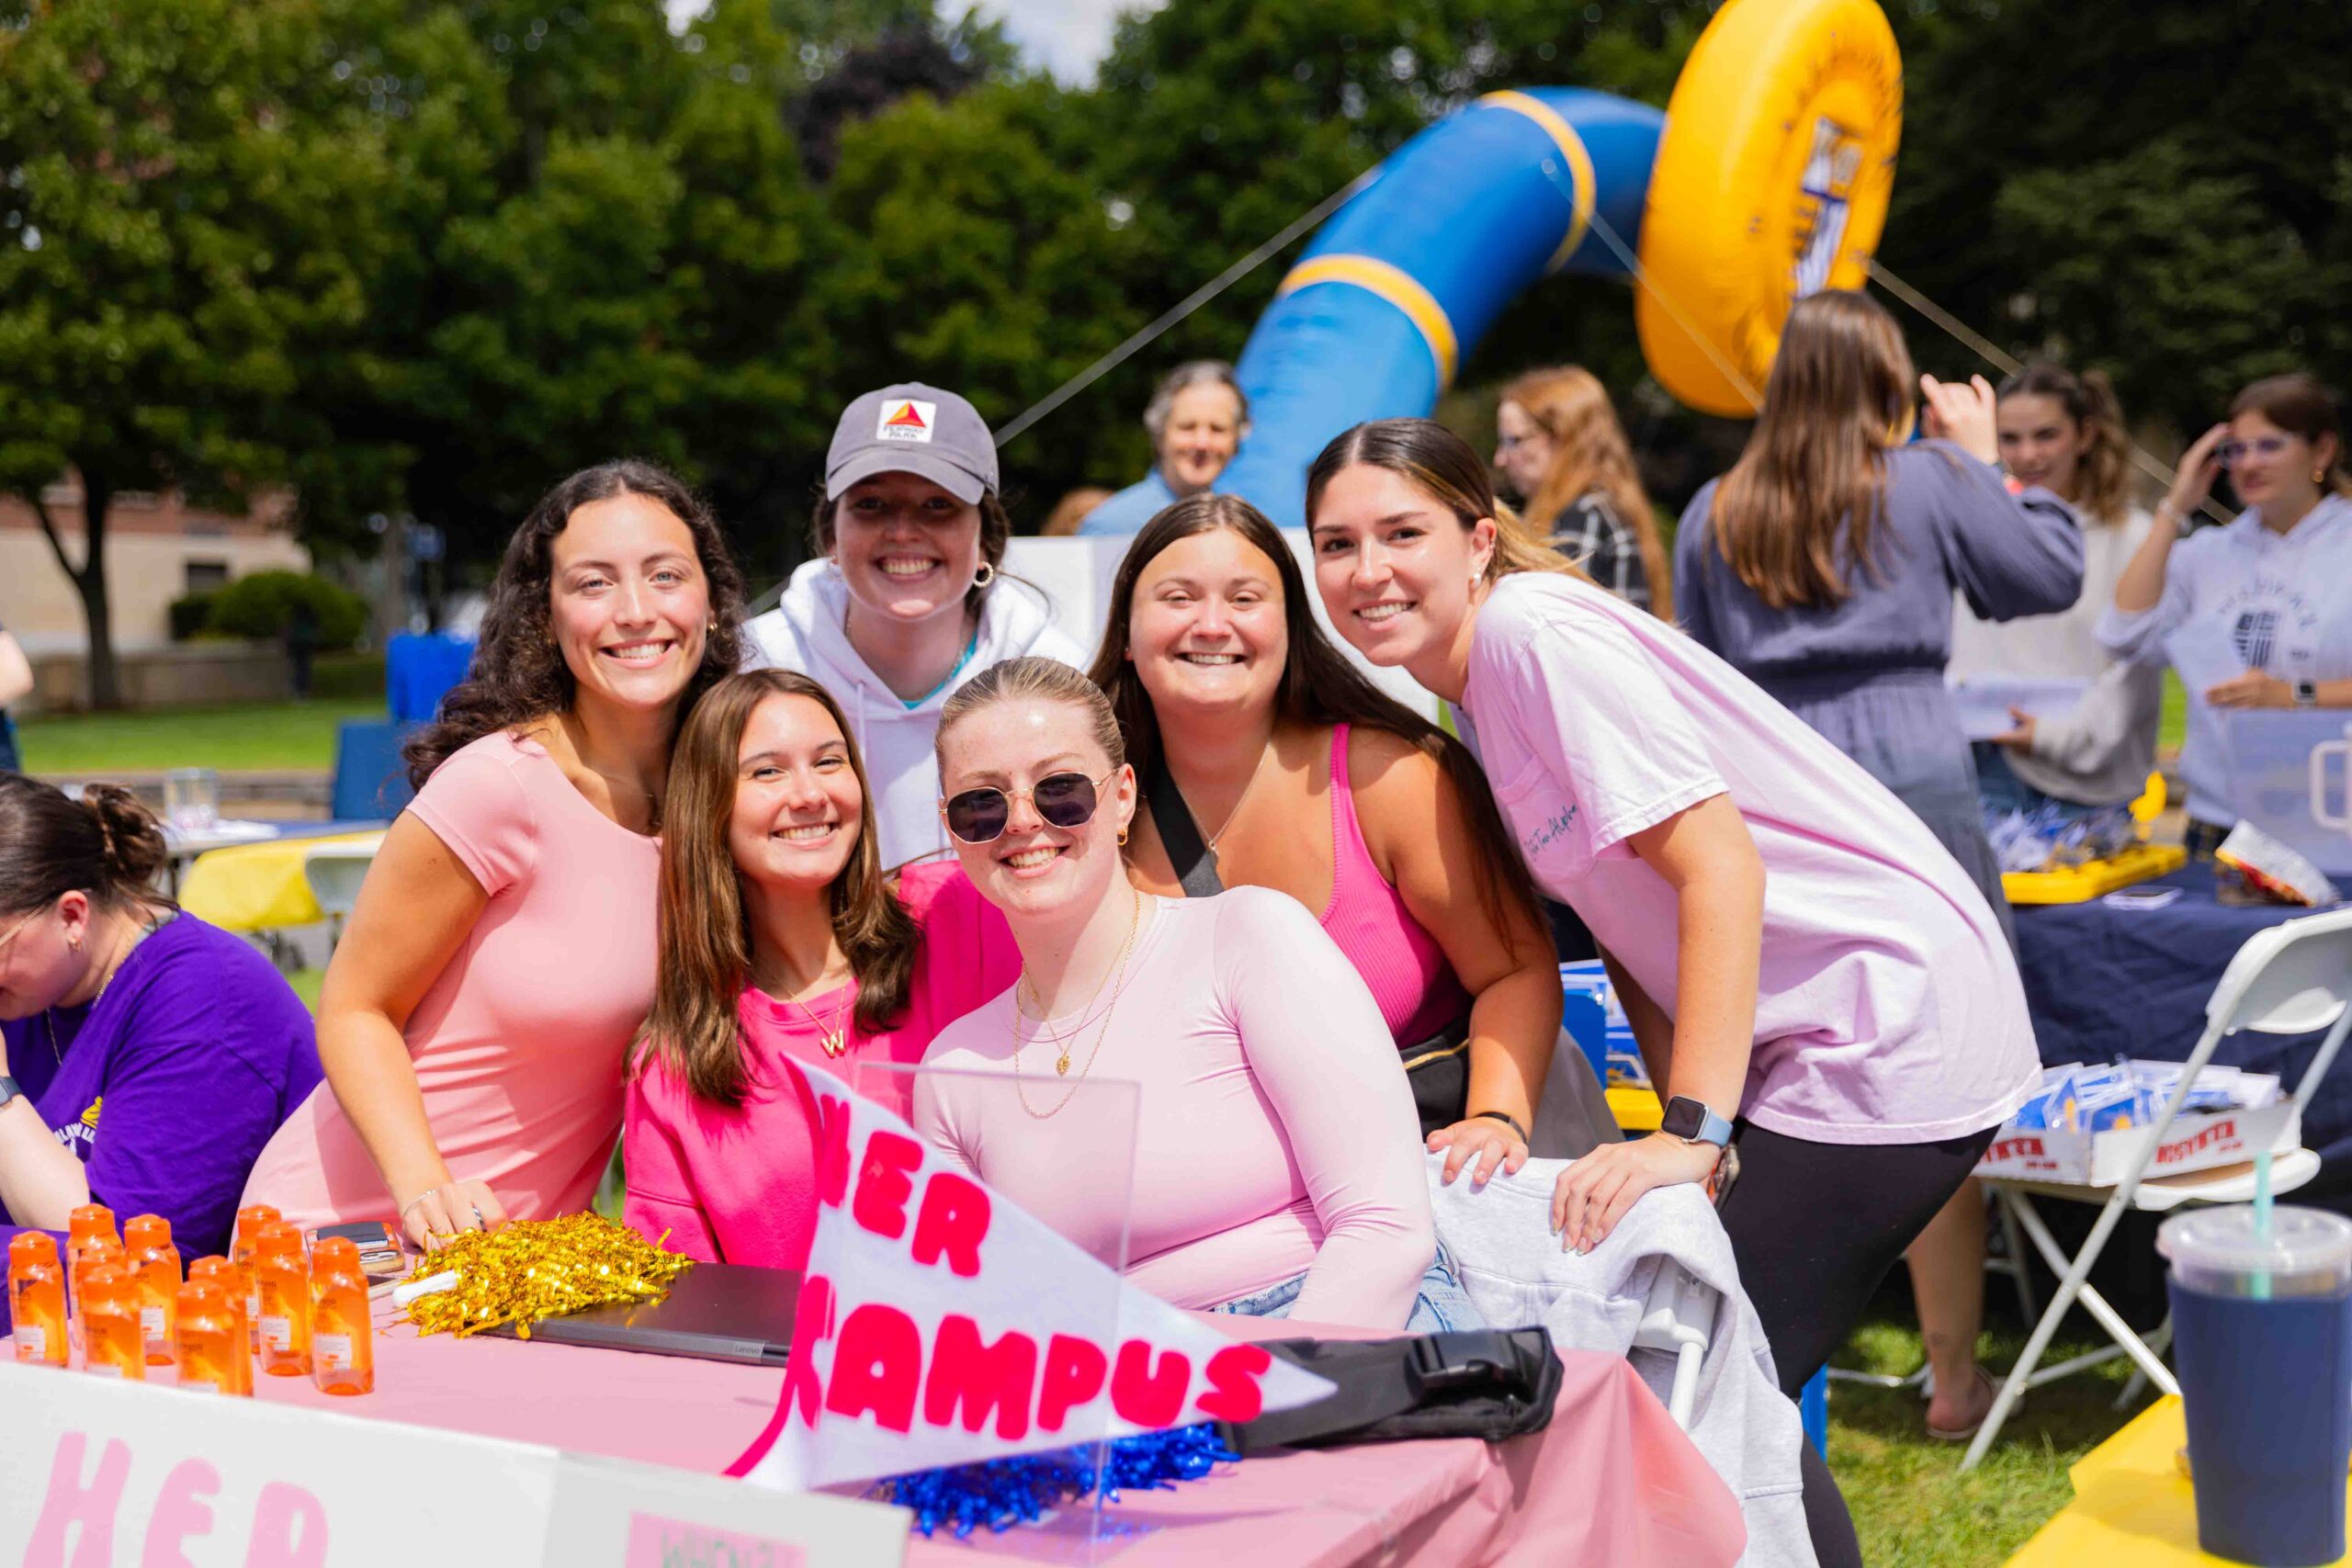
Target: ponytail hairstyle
<point>1319,685</point>
<point>2103,473</point>
<point>2298,404</point>
<point>106,845</point>
<point>705,939</point>
<point>518,674</point>
<point>1589,452</point>
<point>1795,518</point>
<point>1442,464</point>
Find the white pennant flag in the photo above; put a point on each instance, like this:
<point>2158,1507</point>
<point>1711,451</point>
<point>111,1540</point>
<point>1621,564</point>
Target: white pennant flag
<point>940,1324</point>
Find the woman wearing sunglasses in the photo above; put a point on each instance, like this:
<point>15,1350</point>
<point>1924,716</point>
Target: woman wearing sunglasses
<point>2277,582</point>
<point>147,1056</point>
<point>1275,1171</point>
<point>781,937</point>
<point>1268,760</point>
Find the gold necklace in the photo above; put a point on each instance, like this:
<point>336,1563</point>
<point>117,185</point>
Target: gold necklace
<point>1240,801</point>
<point>833,1042</point>
<point>1102,1033</point>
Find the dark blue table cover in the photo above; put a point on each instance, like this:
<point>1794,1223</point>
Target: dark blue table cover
<point>2105,982</point>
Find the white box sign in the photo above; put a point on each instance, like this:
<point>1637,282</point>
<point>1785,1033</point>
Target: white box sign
<point>95,1472</point>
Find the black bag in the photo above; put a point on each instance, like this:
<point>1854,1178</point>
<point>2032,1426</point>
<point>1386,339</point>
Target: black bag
<point>1491,1383</point>
<point>1438,1068</point>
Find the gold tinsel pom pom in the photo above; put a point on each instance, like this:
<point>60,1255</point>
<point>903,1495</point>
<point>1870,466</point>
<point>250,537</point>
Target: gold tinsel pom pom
<point>536,1269</point>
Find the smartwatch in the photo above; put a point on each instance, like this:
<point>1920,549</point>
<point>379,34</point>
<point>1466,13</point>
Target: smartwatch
<point>1691,1121</point>
<point>9,1090</point>
<point>2307,694</point>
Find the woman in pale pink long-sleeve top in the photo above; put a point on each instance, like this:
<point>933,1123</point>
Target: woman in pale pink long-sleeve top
<point>1275,1166</point>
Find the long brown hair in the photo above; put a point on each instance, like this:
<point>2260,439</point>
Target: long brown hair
<point>105,844</point>
<point>2103,473</point>
<point>2298,404</point>
<point>706,934</point>
<point>518,674</point>
<point>1796,514</point>
<point>1589,452</point>
<point>1319,687</point>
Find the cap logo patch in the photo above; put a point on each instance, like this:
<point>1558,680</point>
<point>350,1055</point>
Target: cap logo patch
<point>906,420</point>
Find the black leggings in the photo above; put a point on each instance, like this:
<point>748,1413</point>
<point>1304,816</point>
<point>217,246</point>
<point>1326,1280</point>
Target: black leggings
<point>1814,1227</point>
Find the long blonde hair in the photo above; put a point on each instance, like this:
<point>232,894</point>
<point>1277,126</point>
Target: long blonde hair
<point>704,940</point>
<point>1796,516</point>
<point>1589,452</point>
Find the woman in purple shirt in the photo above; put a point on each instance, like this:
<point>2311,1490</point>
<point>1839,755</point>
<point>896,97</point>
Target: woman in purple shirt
<point>148,1057</point>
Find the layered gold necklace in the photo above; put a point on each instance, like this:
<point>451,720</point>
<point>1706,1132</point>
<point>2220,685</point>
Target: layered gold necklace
<point>1062,1044</point>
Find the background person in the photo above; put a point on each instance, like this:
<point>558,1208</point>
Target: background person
<point>781,937</point>
<point>1275,1170</point>
<point>146,1056</point>
<point>1823,566</point>
<point>1559,445</point>
<point>15,684</point>
<point>2064,434</point>
<point>903,605</point>
<point>501,959</point>
<point>1806,969</point>
<point>2277,581</point>
<point>1299,774</point>
<point>1197,420</point>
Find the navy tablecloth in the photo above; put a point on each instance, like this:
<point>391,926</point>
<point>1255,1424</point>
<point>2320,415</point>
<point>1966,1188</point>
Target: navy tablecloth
<point>2105,982</point>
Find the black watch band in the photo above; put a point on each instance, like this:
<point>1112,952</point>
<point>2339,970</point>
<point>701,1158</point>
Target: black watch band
<point>1505,1117</point>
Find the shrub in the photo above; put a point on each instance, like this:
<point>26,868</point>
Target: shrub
<point>191,612</point>
<point>263,605</point>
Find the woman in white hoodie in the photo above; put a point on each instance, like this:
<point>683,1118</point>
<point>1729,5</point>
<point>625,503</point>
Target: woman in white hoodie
<point>2277,582</point>
<point>904,604</point>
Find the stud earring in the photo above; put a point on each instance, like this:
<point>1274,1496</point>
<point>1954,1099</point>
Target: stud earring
<point>2319,476</point>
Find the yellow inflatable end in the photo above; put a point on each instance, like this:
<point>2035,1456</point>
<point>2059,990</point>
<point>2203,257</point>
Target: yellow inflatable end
<point>1771,181</point>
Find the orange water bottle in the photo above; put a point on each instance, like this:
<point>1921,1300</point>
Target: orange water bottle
<point>210,1340</point>
<point>37,1298</point>
<point>284,1277</point>
<point>155,1263</point>
<point>250,1221</point>
<point>112,1344</point>
<point>96,1250</point>
<point>343,1345</point>
<point>238,1369</point>
<point>91,1222</point>
<point>332,1255</point>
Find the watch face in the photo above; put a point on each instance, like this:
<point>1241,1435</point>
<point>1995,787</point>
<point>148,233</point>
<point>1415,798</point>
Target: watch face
<point>1683,1118</point>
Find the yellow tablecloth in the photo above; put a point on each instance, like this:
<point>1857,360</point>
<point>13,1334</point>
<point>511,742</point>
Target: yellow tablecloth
<point>254,887</point>
<point>2131,1503</point>
<point>1635,1108</point>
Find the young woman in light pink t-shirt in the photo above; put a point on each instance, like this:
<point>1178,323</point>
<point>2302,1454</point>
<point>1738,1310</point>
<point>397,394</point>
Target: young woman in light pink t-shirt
<point>1800,956</point>
<point>781,936</point>
<point>501,957</point>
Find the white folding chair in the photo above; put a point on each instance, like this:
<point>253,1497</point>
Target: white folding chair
<point>335,873</point>
<point>2291,980</point>
<point>1679,1319</point>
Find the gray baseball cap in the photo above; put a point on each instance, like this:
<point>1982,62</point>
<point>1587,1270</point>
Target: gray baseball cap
<point>913,429</point>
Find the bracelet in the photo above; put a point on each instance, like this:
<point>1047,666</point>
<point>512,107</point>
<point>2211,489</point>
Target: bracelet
<point>1505,1117</point>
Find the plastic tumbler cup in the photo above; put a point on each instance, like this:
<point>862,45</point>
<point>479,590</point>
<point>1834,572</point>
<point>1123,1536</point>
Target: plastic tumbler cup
<point>2262,1340</point>
<point>192,800</point>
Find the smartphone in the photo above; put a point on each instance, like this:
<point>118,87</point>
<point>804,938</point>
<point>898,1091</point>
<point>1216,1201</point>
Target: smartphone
<point>381,1254</point>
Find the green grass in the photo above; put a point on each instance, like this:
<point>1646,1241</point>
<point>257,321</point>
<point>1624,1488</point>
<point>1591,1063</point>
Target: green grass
<point>244,736</point>
<point>2174,724</point>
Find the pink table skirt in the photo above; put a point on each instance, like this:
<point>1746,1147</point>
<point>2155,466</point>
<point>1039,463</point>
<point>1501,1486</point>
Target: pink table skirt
<point>1611,1480</point>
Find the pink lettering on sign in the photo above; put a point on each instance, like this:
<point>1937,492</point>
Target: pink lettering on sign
<point>657,1543</point>
<point>71,1502</point>
<point>180,1512</point>
<point>883,1187</point>
<point>289,1529</point>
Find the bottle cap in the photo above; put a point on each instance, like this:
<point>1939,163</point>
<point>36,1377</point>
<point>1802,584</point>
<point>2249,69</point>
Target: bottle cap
<point>202,1296</point>
<point>146,1231</point>
<point>90,1222</point>
<point>106,1284</point>
<point>29,1248</point>
<point>336,1252</point>
<point>250,1220</point>
<point>102,1250</point>
<point>213,1267</point>
<point>279,1239</point>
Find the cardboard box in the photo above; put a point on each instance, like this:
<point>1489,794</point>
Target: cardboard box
<point>2196,1141</point>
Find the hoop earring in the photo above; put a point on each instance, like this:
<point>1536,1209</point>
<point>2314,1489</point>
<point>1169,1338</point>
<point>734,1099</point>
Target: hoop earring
<point>986,575</point>
<point>1123,838</point>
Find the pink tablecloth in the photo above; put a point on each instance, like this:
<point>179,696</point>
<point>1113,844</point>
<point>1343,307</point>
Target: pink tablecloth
<point>1611,1480</point>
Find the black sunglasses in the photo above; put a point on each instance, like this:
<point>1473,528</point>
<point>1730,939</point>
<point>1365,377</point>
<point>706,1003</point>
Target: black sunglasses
<point>1062,800</point>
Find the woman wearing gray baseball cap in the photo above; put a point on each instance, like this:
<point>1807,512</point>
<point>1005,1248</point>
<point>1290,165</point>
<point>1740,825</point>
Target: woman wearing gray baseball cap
<point>904,603</point>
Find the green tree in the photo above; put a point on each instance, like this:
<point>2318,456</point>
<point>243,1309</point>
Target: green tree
<point>180,239</point>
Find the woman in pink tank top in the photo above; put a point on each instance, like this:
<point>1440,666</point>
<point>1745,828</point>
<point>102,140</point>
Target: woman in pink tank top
<point>1250,732</point>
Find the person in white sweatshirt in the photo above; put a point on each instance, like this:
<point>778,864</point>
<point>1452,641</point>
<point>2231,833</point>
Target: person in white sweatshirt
<point>2065,433</point>
<point>2277,581</point>
<point>905,601</point>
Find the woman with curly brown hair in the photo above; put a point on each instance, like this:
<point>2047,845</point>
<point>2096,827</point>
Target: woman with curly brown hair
<point>501,956</point>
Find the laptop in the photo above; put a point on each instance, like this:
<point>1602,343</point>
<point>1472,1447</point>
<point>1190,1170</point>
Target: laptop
<point>715,1311</point>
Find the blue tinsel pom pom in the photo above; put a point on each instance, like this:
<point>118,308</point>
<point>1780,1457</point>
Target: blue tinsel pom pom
<point>1003,1493</point>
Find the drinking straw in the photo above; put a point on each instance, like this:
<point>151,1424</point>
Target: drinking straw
<point>2261,1281</point>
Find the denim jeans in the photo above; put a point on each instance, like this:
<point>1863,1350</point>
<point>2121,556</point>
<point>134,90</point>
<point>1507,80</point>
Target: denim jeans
<point>1998,786</point>
<point>1441,1305</point>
